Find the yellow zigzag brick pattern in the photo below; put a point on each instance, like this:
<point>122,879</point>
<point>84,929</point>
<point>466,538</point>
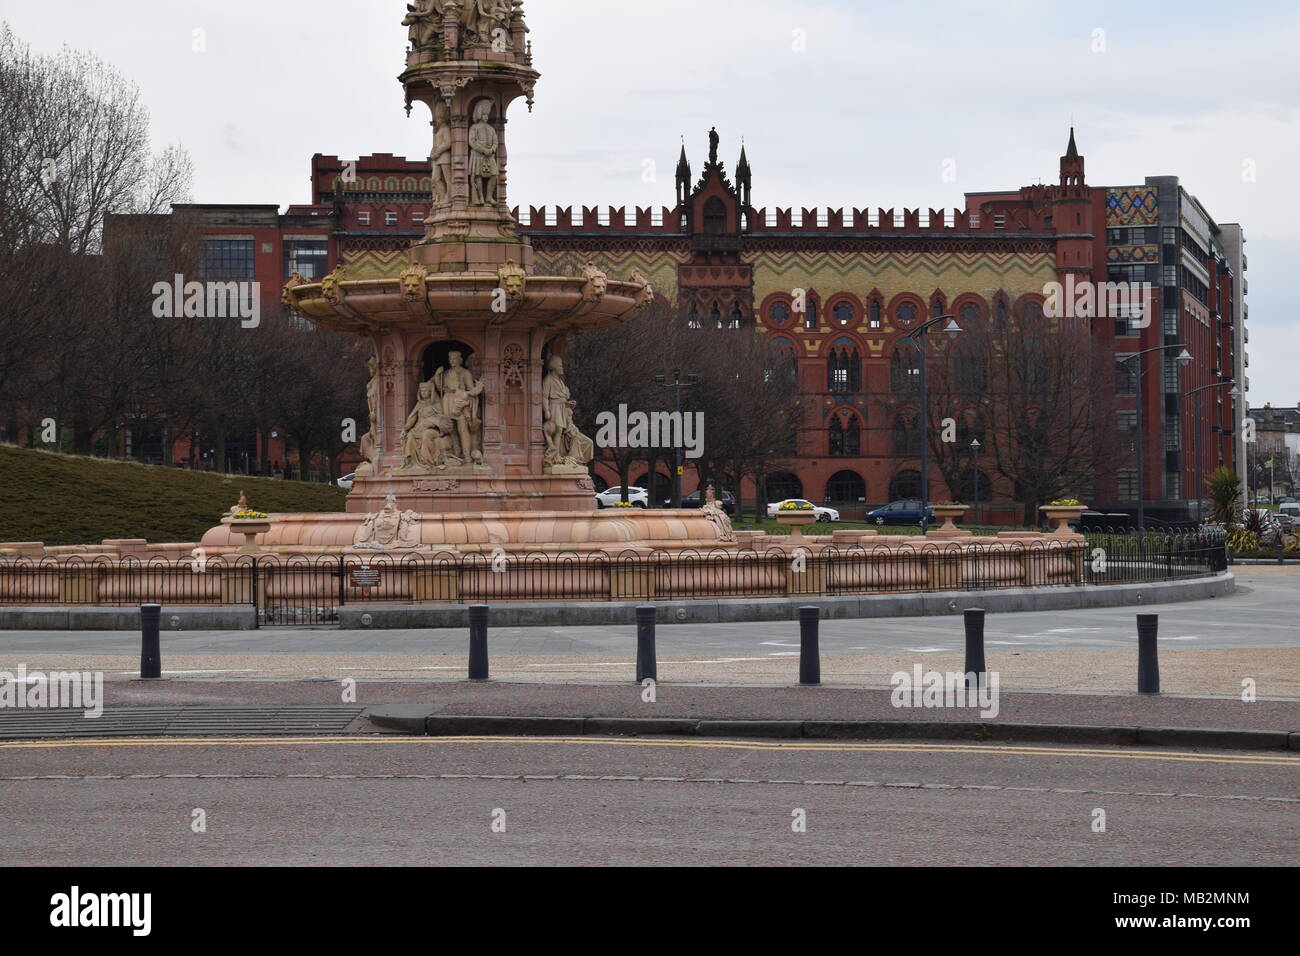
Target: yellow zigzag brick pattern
<point>372,264</point>
<point>893,272</point>
<point>659,267</point>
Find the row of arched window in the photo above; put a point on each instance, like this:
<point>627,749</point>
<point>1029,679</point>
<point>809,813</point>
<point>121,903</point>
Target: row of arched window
<point>715,317</point>
<point>848,487</point>
<point>844,432</point>
<point>845,310</point>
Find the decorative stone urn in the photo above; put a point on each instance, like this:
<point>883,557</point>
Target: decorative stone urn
<point>250,528</point>
<point>949,513</point>
<point>1061,516</point>
<point>795,520</point>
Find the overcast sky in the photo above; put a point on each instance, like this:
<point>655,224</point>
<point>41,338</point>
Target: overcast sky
<point>866,115</point>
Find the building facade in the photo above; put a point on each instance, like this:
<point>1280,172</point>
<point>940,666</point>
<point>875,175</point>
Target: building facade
<point>839,289</point>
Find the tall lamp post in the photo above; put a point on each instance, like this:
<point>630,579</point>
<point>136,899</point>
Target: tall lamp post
<point>975,451</point>
<point>917,338</point>
<point>1183,358</point>
<point>1196,437</point>
<point>676,385</point>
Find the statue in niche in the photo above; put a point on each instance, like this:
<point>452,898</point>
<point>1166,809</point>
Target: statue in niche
<point>426,436</point>
<point>424,17</point>
<point>716,515</point>
<point>388,528</point>
<point>369,441</point>
<point>565,445</point>
<point>441,159</point>
<point>484,173</point>
<point>460,404</point>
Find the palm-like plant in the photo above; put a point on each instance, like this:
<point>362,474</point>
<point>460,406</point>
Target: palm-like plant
<point>1225,497</point>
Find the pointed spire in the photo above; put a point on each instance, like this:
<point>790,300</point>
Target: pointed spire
<point>682,165</point>
<point>742,167</point>
<point>1072,151</point>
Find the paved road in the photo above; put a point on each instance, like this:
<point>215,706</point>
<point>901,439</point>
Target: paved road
<point>1263,613</point>
<point>646,801</point>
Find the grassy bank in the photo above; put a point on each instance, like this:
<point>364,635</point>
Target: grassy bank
<point>67,499</point>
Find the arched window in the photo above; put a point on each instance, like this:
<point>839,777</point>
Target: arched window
<point>782,485</point>
<point>906,434</point>
<point>905,485</point>
<point>903,370</point>
<point>810,317</point>
<point>715,317</point>
<point>693,321</point>
<point>737,319</point>
<point>1000,311</point>
<point>778,313</point>
<point>905,313</point>
<point>1031,312</point>
<point>782,359</point>
<point>936,306</point>
<point>968,315</point>
<point>846,486</point>
<point>843,313</point>
<point>874,311</point>
<point>844,369</point>
<point>844,436</point>
<point>715,217</point>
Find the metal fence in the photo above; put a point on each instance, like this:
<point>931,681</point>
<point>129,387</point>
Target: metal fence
<point>310,589</point>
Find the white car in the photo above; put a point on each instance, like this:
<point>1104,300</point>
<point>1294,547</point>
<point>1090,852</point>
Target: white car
<point>346,480</point>
<point>637,497</point>
<point>822,513</point>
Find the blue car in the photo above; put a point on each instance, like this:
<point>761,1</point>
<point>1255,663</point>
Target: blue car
<point>900,512</point>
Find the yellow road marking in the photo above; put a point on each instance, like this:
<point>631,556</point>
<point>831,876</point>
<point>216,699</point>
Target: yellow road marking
<point>1252,759</point>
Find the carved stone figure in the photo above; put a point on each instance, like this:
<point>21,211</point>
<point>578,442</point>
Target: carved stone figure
<point>426,436</point>
<point>597,282</point>
<point>370,441</point>
<point>287,297</point>
<point>512,278</point>
<point>412,279</point>
<point>482,17</point>
<point>647,294</point>
<point>484,173</point>
<point>717,516</point>
<point>241,505</point>
<point>425,20</point>
<point>565,445</point>
<point>330,287</point>
<point>460,401</point>
<point>441,158</point>
<point>388,529</point>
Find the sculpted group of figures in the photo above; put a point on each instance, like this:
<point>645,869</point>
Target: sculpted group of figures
<point>484,170</point>
<point>445,429</point>
<point>479,18</point>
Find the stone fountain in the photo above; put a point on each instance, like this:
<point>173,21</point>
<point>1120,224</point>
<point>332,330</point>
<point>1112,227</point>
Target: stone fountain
<point>472,439</point>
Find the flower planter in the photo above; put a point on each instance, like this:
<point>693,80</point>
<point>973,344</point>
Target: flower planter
<point>795,520</point>
<point>250,528</point>
<point>1061,516</point>
<point>948,513</point>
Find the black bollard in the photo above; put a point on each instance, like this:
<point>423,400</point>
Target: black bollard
<point>150,644</point>
<point>646,665</point>
<point>478,646</point>
<point>1148,661</point>
<point>810,664</point>
<point>975,645</point>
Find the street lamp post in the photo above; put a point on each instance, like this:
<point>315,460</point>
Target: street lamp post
<point>1196,439</point>
<point>676,385</point>
<point>1183,358</point>
<point>917,338</point>
<point>975,451</point>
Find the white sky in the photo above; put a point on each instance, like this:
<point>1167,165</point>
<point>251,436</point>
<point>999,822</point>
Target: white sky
<point>886,91</point>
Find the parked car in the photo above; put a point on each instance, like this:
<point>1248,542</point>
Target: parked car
<point>696,500</point>
<point>823,513</point>
<point>1286,522</point>
<point>637,497</point>
<point>346,480</point>
<point>900,512</point>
